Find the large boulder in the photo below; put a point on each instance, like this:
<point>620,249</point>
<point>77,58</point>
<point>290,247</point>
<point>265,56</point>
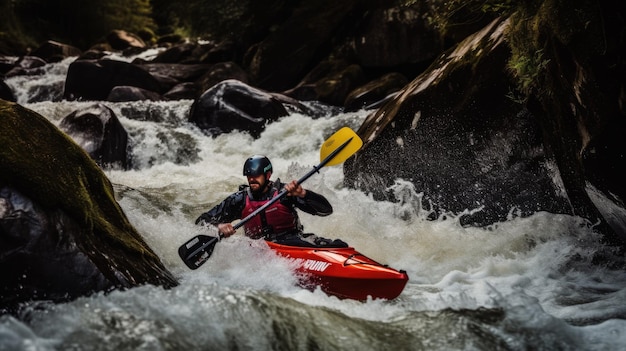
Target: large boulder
<point>233,105</point>
<point>27,66</point>
<point>94,79</point>
<point>330,82</point>
<point>121,40</point>
<point>481,151</point>
<point>125,93</point>
<point>176,72</point>
<point>7,63</point>
<point>220,72</point>
<point>224,51</point>
<point>52,51</point>
<point>99,132</point>
<point>176,53</point>
<point>374,91</point>
<point>6,92</point>
<point>40,261</point>
<point>182,91</point>
<point>470,146</point>
<point>63,234</point>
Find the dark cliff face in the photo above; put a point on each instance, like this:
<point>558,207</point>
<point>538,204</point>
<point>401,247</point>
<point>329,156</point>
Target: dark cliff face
<point>466,135</point>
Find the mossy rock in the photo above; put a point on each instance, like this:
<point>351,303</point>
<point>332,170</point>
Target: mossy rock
<point>45,165</point>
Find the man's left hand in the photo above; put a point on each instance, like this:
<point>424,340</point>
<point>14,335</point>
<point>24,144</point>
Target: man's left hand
<point>295,189</point>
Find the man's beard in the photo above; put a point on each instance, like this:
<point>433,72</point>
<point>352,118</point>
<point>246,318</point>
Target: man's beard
<point>260,190</point>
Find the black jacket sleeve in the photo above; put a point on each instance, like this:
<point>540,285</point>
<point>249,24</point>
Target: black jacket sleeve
<point>225,212</point>
<point>313,203</point>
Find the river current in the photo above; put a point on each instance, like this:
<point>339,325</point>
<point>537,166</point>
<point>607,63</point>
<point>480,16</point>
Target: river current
<point>523,284</point>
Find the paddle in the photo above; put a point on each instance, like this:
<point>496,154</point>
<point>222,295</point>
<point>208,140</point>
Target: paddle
<point>335,150</point>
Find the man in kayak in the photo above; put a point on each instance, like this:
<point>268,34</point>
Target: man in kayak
<point>279,222</point>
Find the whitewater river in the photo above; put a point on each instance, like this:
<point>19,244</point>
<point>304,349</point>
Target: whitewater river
<point>524,284</point>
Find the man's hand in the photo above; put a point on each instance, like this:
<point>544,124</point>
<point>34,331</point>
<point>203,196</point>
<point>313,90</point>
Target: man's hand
<point>295,189</point>
<point>226,229</point>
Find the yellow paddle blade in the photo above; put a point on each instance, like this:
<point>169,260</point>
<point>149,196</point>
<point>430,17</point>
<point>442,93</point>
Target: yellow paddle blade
<point>341,137</point>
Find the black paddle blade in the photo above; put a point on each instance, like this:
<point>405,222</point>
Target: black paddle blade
<point>197,250</point>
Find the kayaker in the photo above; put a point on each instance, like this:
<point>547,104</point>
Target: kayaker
<point>279,222</point>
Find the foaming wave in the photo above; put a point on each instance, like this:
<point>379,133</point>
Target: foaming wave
<point>48,85</point>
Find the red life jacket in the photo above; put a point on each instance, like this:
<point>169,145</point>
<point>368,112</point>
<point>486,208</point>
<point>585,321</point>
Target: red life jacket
<point>277,217</point>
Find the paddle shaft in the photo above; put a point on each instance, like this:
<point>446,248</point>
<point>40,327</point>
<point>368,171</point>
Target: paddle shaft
<point>196,252</point>
<point>300,181</point>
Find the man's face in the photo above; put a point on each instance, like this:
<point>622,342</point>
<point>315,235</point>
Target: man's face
<point>256,182</point>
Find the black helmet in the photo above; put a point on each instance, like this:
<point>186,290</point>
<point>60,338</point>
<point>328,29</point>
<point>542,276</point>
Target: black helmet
<point>257,165</point>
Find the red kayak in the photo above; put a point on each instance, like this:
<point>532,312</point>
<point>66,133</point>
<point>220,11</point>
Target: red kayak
<point>344,272</point>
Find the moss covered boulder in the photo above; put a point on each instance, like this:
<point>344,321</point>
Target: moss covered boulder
<point>62,233</point>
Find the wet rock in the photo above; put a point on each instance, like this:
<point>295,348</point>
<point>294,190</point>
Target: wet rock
<point>93,54</point>
<point>94,79</point>
<point>480,153</point>
<point>40,258</point>
<point>170,75</point>
<point>176,53</point>
<point>53,51</point>
<point>370,94</point>
<point>121,40</point>
<point>183,91</point>
<point>126,93</point>
<point>7,63</point>
<point>6,92</point>
<point>220,72</point>
<point>470,147</point>
<point>62,233</point>
<point>177,71</point>
<point>225,51</point>
<point>27,66</point>
<point>29,62</point>
<point>99,132</point>
<point>233,105</point>
<point>170,39</point>
<point>330,82</point>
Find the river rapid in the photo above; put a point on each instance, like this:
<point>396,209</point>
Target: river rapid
<point>523,284</point>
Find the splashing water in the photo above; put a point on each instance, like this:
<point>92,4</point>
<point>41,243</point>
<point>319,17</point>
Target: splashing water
<point>527,283</point>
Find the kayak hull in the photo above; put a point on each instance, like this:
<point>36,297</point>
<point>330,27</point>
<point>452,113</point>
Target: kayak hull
<point>344,272</point>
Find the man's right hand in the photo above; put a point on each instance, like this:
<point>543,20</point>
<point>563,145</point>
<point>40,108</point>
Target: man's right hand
<point>226,229</point>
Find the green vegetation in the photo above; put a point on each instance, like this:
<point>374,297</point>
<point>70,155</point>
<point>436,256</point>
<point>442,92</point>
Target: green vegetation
<point>575,25</point>
<point>527,68</point>
<point>446,14</point>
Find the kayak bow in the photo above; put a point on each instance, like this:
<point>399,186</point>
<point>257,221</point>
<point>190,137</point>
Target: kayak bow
<point>344,272</point>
